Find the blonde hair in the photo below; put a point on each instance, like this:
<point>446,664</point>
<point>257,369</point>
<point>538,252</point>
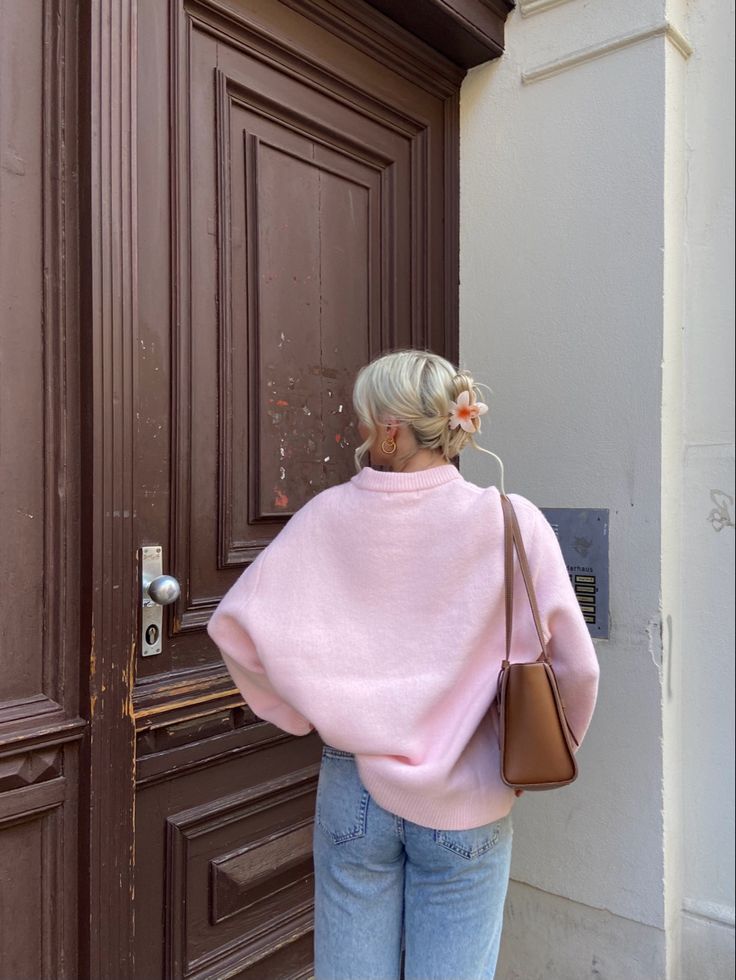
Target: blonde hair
<point>414,387</point>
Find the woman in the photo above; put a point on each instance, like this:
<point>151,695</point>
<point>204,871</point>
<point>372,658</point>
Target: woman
<point>376,616</point>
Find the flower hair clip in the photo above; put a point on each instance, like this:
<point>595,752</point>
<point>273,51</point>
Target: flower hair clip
<point>464,412</point>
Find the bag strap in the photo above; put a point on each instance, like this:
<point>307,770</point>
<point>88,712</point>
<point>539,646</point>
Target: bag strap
<point>512,536</point>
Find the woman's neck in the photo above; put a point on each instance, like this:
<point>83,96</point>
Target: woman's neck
<point>425,459</point>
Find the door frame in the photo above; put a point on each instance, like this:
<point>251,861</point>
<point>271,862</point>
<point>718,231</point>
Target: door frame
<point>108,594</point>
<point>108,323</point>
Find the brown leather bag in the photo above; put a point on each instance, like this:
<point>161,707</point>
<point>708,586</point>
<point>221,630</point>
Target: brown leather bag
<point>537,744</point>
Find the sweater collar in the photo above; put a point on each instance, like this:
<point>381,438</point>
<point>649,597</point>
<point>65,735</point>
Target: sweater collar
<point>370,479</point>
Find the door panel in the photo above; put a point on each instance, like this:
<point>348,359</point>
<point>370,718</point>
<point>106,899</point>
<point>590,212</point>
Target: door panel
<point>291,222</point>
<point>311,213</point>
<point>221,847</point>
<point>40,730</point>
<point>281,187</point>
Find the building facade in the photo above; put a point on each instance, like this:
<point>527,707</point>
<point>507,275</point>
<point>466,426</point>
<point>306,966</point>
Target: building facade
<point>597,210</point>
<point>212,212</point>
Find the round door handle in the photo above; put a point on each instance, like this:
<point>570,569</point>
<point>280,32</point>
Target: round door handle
<point>163,590</point>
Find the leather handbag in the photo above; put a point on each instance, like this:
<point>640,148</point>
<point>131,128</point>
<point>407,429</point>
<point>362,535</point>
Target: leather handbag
<point>536,742</point>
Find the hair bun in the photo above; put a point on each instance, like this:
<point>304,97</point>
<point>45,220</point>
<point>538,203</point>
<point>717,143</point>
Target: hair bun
<point>419,389</point>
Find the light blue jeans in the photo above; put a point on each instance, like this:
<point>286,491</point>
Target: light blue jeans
<point>383,884</point>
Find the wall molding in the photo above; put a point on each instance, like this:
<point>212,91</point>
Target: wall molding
<point>384,38</point>
<point>583,55</point>
<point>725,915</point>
<point>468,32</point>
<point>27,802</point>
<point>530,7</point>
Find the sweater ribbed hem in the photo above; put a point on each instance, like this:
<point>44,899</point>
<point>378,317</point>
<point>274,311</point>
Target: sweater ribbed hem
<point>434,813</point>
<point>388,480</point>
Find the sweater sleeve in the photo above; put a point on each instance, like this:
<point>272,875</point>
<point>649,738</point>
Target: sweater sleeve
<point>228,628</point>
<point>570,646</point>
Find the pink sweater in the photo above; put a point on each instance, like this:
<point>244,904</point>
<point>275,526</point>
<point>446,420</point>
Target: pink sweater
<point>377,615</point>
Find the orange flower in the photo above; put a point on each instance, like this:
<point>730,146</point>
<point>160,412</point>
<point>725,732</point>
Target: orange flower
<point>464,413</point>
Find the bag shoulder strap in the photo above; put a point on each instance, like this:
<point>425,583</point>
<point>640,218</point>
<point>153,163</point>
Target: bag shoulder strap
<point>512,536</point>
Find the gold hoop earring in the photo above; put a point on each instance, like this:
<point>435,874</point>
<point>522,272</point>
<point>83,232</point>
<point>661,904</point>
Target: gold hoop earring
<point>392,450</point>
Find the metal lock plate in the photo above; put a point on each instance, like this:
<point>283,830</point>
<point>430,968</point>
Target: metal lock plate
<point>152,613</point>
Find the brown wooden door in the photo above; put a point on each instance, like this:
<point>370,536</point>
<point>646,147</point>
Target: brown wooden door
<point>211,213</point>
<point>293,211</point>
<point>40,724</point>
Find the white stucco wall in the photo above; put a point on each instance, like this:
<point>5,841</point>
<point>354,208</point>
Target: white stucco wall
<point>576,198</point>
<point>707,633</point>
<point>672,417</point>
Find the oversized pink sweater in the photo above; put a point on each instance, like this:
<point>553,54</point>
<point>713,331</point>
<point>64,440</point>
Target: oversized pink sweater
<point>377,615</point>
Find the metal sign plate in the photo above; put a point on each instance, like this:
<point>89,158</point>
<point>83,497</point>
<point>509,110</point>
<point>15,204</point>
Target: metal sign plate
<point>583,537</point>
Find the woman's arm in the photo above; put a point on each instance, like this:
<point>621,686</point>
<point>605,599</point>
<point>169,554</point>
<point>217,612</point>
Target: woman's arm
<point>252,682</point>
<point>227,627</point>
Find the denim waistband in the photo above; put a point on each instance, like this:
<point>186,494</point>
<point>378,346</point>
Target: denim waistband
<point>331,750</point>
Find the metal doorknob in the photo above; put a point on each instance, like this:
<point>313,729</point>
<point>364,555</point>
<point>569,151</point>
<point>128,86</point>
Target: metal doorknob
<point>163,590</point>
